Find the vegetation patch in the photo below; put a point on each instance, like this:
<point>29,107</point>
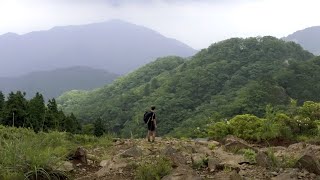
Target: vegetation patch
<point>26,153</point>
<point>154,170</point>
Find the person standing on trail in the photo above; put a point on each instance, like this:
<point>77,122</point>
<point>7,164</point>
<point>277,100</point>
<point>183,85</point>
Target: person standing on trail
<point>150,120</point>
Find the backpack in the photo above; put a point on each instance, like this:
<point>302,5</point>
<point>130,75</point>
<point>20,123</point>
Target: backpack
<point>146,116</point>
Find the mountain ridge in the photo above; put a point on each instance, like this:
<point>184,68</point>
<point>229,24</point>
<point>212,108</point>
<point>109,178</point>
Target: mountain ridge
<point>54,82</point>
<point>308,38</point>
<point>235,76</point>
<point>98,45</point>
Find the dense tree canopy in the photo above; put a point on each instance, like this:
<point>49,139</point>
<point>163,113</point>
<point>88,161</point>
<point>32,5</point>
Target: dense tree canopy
<point>235,76</point>
<point>17,111</point>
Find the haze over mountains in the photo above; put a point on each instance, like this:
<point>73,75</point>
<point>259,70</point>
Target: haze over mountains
<point>308,38</point>
<point>49,61</point>
<point>53,83</point>
<point>115,46</point>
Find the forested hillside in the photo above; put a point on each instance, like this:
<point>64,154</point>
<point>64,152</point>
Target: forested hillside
<point>235,76</point>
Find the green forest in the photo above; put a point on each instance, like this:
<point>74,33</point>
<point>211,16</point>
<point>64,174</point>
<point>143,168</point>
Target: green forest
<point>245,77</point>
<point>17,111</point>
<point>260,89</point>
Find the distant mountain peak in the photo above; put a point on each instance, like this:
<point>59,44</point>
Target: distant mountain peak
<point>308,38</point>
<point>115,45</point>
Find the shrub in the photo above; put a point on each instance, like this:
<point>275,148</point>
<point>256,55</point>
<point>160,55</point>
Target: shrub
<point>249,154</point>
<point>159,168</point>
<point>246,126</point>
<point>288,162</point>
<point>218,130</point>
<point>275,162</point>
<point>24,152</point>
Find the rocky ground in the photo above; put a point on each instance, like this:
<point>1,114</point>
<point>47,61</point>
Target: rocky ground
<point>232,159</point>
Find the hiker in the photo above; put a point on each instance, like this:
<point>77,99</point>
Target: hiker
<point>150,120</point>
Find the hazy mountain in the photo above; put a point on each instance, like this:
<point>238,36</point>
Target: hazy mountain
<point>54,83</point>
<point>115,46</point>
<point>308,38</point>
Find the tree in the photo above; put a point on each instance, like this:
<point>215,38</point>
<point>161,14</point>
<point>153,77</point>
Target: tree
<point>146,90</point>
<point>36,111</point>
<point>15,109</point>
<point>1,100</point>
<point>1,105</point>
<point>52,116</point>
<point>99,127</point>
<point>72,124</point>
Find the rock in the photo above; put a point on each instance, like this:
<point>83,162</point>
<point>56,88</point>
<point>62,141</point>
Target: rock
<point>81,155</point>
<point>212,163</point>
<point>92,158</point>
<point>224,175</point>
<point>263,159</point>
<point>274,173</point>
<point>104,163</point>
<point>234,144</point>
<point>227,159</point>
<point>115,139</point>
<point>65,166</point>
<point>111,165</point>
<point>176,157</point>
<point>213,144</point>
<point>204,150</point>
<point>201,141</point>
<point>169,151</point>
<point>132,152</point>
<point>198,160</point>
<point>182,173</point>
<point>308,162</point>
<point>177,160</point>
<point>286,176</point>
<point>189,149</point>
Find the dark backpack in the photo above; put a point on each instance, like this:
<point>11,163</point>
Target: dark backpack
<point>146,116</point>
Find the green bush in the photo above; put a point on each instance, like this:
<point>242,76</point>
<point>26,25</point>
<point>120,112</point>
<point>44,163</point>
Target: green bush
<point>288,162</point>
<point>246,126</point>
<point>249,154</point>
<point>218,130</point>
<point>159,168</point>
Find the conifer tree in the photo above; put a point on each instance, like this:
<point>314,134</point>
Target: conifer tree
<point>52,116</point>
<point>15,110</point>
<point>36,112</point>
<point>2,101</point>
<point>99,128</point>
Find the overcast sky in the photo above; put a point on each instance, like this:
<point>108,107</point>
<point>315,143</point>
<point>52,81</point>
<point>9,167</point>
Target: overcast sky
<point>197,23</point>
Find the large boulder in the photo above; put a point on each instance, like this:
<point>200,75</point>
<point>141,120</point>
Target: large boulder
<point>176,157</point>
<point>234,144</point>
<point>213,162</point>
<point>81,155</point>
<point>132,152</point>
<point>228,159</point>
<point>263,159</point>
<point>308,162</point>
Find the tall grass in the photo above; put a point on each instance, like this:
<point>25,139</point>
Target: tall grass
<point>30,155</point>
